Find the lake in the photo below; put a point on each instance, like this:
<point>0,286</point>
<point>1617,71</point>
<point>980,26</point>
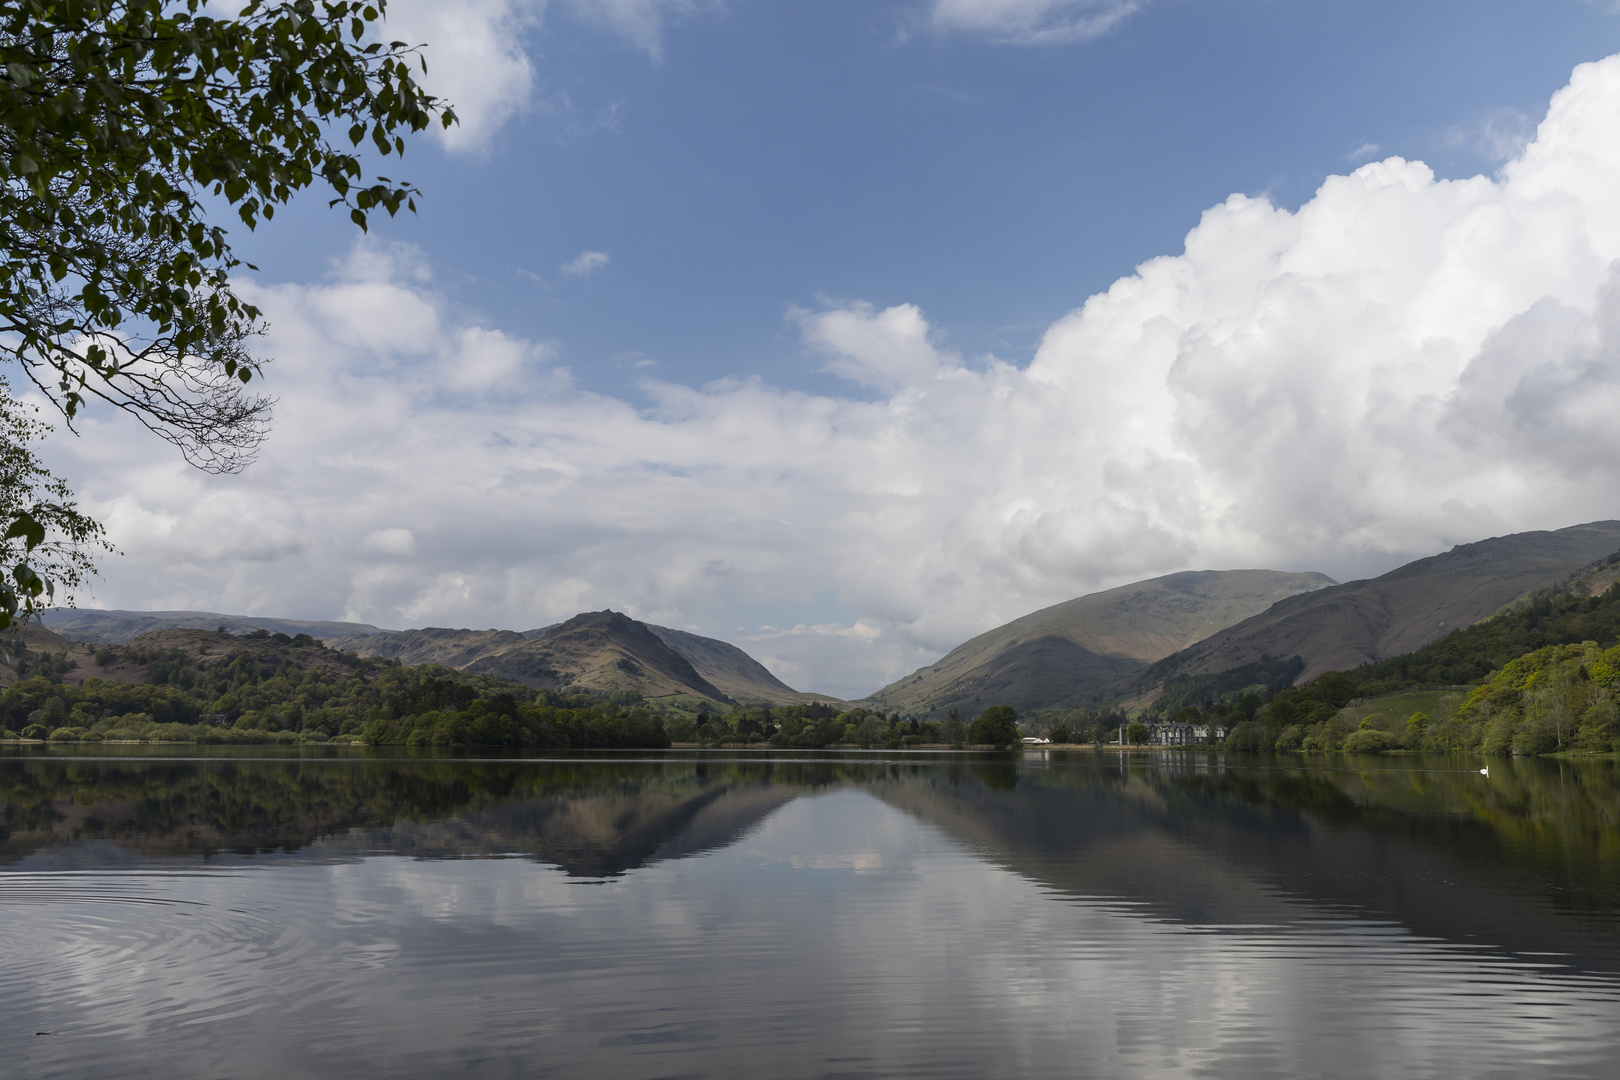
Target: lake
<point>344,913</point>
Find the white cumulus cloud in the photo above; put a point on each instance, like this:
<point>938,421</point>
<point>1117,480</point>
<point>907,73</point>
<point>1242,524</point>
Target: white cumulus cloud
<point>889,350</point>
<point>1404,363</point>
<point>481,53</point>
<point>477,59</point>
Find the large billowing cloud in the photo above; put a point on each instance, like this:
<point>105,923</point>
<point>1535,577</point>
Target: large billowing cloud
<point>1402,364</point>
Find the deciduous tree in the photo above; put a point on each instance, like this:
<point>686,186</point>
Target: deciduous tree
<point>122,124</point>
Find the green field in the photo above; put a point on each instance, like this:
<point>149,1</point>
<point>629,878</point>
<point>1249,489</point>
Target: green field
<point>1440,703</point>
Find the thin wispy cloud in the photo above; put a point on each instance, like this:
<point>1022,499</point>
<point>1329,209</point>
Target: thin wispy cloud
<point>585,263</point>
<point>1031,22</point>
<point>1500,135</point>
<point>641,22</point>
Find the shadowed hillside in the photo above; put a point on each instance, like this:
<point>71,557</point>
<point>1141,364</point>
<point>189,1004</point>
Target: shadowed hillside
<point>1062,654</point>
<point>742,677</point>
<point>603,651</point>
<point>598,650</point>
<point>1343,627</point>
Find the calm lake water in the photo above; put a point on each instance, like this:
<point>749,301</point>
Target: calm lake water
<point>817,915</point>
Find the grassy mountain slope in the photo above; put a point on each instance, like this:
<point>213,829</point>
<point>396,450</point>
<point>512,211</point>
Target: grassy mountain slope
<point>563,657</point>
<point>598,650</point>
<point>431,645</point>
<point>117,627</point>
<point>740,676</point>
<point>1061,654</point>
<point>1362,622</point>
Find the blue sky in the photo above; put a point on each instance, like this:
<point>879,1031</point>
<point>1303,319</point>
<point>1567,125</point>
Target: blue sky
<point>845,331</point>
<point>771,153</point>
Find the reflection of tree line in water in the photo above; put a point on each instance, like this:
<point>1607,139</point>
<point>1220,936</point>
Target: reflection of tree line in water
<point>1558,813</point>
<point>1556,817</point>
<point>1529,866</point>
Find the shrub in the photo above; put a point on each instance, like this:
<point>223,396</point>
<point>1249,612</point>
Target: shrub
<point>1369,741</point>
<point>1291,738</point>
<point>35,731</point>
<point>67,734</point>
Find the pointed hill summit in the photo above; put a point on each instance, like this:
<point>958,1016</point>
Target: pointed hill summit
<point>598,650</point>
<point>603,651</point>
<point>1063,654</point>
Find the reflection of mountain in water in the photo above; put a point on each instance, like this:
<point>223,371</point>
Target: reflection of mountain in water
<point>587,820</point>
<point>588,835</point>
<point>1526,860</point>
<point>1529,864</point>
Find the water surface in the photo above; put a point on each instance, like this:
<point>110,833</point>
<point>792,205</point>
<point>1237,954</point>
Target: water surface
<point>246,914</point>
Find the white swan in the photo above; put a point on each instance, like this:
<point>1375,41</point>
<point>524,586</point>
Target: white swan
<point>1486,771</point>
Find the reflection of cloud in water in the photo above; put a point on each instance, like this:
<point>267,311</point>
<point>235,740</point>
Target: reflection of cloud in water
<point>1279,846</point>
<point>841,935</point>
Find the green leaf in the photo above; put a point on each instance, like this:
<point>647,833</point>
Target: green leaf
<point>31,531</point>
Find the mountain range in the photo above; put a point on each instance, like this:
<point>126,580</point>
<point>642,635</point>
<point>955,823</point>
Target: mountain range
<point>1119,644</point>
<point>603,651</point>
<point>1345,626</point>
<point>1063,654</point>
